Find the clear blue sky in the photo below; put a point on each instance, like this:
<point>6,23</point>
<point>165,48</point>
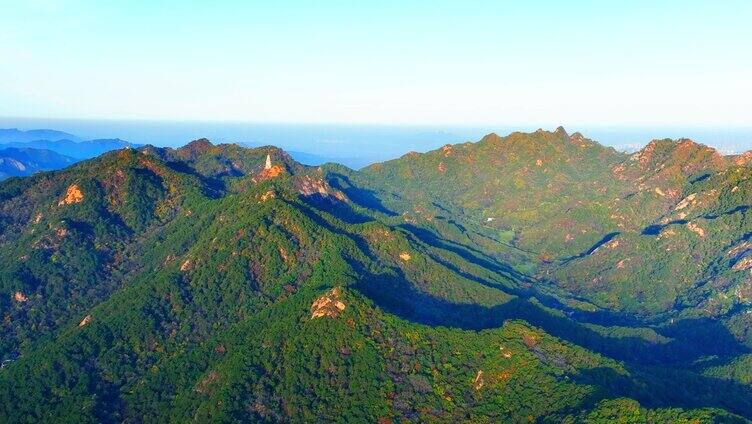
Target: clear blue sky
<point>421,62</point>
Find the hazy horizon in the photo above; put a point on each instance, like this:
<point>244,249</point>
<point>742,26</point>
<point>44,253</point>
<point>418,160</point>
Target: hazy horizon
<point>367,81</point>
<point>356,145</point>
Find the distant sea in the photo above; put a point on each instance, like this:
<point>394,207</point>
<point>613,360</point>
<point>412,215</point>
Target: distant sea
<point>359,145</point>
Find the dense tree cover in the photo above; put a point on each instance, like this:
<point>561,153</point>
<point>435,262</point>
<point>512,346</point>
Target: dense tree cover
<point>181,285</point>
<point>662,234</point>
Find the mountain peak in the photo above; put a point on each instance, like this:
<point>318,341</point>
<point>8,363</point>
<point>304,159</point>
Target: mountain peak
<point>677,146</point>
<point>490,138</point>
<point>743,158</point>
<point>683,153</point>
<point>195,148</point>
<point>199,144</point>
<point>561,131</point>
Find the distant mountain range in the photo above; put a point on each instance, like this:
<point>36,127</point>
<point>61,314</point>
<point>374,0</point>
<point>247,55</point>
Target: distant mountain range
<point>534,277</point>
<point>74,148</point>
<point>26,161</point>
<point>14,135</point>
<point>31,151</point>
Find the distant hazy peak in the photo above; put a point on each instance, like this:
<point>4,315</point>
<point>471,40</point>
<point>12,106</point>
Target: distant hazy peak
<point>9,135</point>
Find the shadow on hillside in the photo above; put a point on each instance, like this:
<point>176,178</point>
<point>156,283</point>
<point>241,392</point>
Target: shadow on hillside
<point>651,380</point>
<point>699,178</point>
<point>526,285</point>
<point>214,187</point>
<point>312,213</point>
<point>693,339</point>
<point>655,229</point>
<point>740,208</point>
<point>661,387</point>
<point>340,210</point>
<point>607,238</point>
<point>467,253</point>
<point>361,196</point>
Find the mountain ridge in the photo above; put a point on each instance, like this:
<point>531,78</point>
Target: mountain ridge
<point>8,135</point>
<point>192,284</point>
<point>24,161</point>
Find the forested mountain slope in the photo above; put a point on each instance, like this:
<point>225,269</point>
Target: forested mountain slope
<point>601,225</point>
<point>218,283</point>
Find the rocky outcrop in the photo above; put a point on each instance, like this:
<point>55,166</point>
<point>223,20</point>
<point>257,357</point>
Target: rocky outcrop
<point>743,159</point>
<point>187,265</point>
<point>207,381</point>
<point>13,164</point>
<point>20,297</point>
<point>479,381</point>
<point>743,264</point>
<point>270,194</point>
<point>505,352</point>
<point>741,248</point>
<point>328,305</point>
<point>72,195</point>
<point>696,229</point>
<point>687,201</point>
<point>270,171</point>
<point>309,186</point>
<point>84,322</point>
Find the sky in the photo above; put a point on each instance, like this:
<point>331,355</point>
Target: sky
<point>533,63</point>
